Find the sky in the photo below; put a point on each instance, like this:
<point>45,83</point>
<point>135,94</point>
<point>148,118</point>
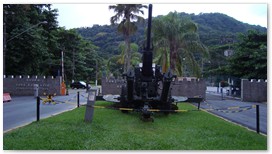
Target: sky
<point>88,14</point>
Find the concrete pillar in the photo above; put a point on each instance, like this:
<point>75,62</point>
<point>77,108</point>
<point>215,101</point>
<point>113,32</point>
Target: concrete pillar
<point>36,90</point>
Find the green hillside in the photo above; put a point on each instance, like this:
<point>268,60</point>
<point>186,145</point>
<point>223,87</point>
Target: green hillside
<point>214,29</point>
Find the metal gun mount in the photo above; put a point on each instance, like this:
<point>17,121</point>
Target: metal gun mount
<point>146,86</point>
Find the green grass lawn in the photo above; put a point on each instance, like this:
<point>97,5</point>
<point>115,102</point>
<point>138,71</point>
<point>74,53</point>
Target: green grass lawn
<point>113,130</point>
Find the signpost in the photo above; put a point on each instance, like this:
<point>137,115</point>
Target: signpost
<point>38,109</point>
<point>89,107</point>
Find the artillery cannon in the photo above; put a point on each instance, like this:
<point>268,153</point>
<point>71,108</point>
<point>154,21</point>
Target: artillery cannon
<point>146,89</point>
<point>146,86</point>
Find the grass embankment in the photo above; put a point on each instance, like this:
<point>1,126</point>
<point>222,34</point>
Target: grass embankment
<point>113,130</point>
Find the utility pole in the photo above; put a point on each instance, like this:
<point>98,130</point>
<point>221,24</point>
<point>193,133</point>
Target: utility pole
<point>62,66</point>
<point>63,89</point>
<point>96,73</point>
<point>73,75</point>
<point>5,44</point>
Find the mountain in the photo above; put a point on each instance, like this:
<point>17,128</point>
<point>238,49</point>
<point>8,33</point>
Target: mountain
<point>214,28</point>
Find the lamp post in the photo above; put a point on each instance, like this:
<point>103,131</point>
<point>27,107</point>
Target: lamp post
<point>229,52</point>
<point>6,41</point>
<point>43,22</point>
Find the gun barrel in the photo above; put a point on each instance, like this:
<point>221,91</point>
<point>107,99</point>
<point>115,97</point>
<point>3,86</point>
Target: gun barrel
<point>148,46</point>
<point>148,55</point>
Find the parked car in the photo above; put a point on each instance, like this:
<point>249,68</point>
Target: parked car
<point>78,84</point>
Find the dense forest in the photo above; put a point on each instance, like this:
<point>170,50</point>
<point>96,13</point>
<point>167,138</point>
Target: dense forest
<point>90,51</point>
<point>214,29</point>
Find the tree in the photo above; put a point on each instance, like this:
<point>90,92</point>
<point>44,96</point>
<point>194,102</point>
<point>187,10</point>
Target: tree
<point>120,59</point>
<point>25,52</point>
<point>128,14</point>
<point>162,53</point>
<point>178,36</point>
<point>217,63</point>
<point>250,57</point>
<point>136,56</point>
<point>50,33</point>
<point>79,55</point>
<point>37,50</point>
<point>113,68</point>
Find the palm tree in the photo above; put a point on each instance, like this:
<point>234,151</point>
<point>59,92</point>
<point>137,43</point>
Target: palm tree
<point>136,56</point>
<point>115,61</point>
<point>128,14</point>
<point>162,54</point>
<point>178,36</point>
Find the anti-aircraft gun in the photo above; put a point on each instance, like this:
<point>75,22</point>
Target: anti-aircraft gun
<point>147,88</point>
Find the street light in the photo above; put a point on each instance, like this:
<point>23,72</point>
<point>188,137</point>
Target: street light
<point>6,41</point>
<point>43,22</point>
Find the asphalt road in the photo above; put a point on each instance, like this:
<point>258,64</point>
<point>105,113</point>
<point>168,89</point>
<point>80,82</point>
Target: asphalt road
<point>22,110</point>
<point>246,118</point>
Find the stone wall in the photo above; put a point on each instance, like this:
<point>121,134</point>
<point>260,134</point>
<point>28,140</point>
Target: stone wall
<point>180,87</point>
<point>111,86</point>
<point>253,90</point>
<point>24,85</point>
<point>189,88</point>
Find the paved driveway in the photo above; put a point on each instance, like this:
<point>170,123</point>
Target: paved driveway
<point>245,118</point>
<point>22,109</point>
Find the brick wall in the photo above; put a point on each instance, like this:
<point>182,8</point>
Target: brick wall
<point>253,90</point>
<point>180,87</point>
<point>24,85</point>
